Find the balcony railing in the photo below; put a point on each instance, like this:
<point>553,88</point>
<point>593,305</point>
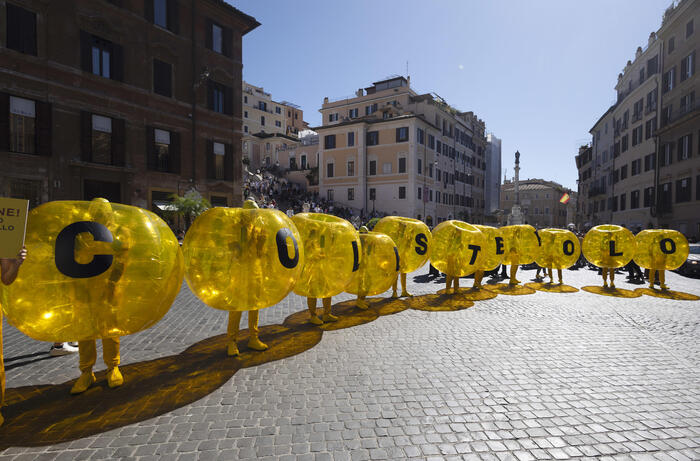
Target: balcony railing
<point>679,113</point>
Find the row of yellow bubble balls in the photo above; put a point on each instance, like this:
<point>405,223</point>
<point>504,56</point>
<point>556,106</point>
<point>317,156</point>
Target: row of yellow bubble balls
<point>97,269</point>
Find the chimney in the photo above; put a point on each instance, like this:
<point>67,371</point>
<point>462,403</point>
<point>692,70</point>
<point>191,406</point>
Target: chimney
<point>360,92</point>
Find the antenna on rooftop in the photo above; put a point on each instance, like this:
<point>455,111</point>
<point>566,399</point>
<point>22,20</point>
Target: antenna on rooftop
<point>406,67</point>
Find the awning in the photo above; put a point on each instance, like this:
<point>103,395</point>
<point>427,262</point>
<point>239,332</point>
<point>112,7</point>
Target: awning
<point>164,206</point>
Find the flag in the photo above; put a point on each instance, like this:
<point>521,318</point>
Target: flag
<point>564,198</point>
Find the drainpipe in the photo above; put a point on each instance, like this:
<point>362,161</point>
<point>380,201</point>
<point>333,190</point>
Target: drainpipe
<point>194,92</point>
<point>654,209</point>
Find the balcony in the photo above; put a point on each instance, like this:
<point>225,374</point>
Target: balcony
<point>678,114</point>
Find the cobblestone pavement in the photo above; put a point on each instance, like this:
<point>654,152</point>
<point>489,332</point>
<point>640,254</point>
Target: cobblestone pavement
<point>542,376</point>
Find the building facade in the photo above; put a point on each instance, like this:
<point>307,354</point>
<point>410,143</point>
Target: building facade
<point>128,100</point>
<point>492,180</point>
<point>678,176</point>
<point>391,150</point>
<point>540,203</point>
<point>654,177</point>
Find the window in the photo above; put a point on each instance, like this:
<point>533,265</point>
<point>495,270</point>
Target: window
<point>262,105</point>
<point>372,138</point>
<point>636,167</point>
<point>372,167</point>
<point>623,202</point>
<point>372,193</point>
<point>650,128</point>
<point>351,194</point>
<point>329,141</point>
<point>101,57</point>
<point>353,113</point>
<point>669,80</point>
<point>430,169</point>
<point>666,155</point>
<point>351,138</point>
<point>22,125</point>
<point>648,197</point>
<point>420,166</point>
<point>652,97</point>
<point>687,102</point>
<point>278,110</point>
<point>624,143</point>
<point>333,117</point>
<point>623,172</point>
<point>666,198</point>
<point>162,78</point>
<point>21,30</point>
<point>685,147</point>
<point>666,114</point>
<point>329,170</point>
<point>402,192</point>
<point>402,164</point>
<point>641,75</point>
<point>683,190</point>
<point>262,120</point>
<point>370,109</point>
<point>637,135</point>
<point>438,147</point>
<point>102,139</point>
<point>351,168</point>
<point>245,114</point>
<point>689,29</point>
<point>431,141</point>
<point>688,66</point>
<point>217,38</point>
<point>220,98</point>
<point>419,193</point>
<point>420,135</point>
<point>671,44</point>
<point>160,13</point>
<point>163,13</point>
<point>402,134</point>
<point>652,65</point>
<point>386,168</point>
<point>278,123</point>
<point>634,199</point>
<point>245,128</point>
<point>162,149</point>
<point>649,162</point>
<point>329,194</point>
<point>638,110</point>
<point>219,155</point>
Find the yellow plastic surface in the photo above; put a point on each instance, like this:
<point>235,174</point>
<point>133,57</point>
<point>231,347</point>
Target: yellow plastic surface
<point>458,248</point>
<point>332,249</point>
<point>496,247</point>
<point>661,249</point>
<point>522,244</point>
<point>94,270</point>
<point>411,236</point>
<point>560,248</point>
<point>241,259</point>
<point>609,245</point>
<point>378,265</point>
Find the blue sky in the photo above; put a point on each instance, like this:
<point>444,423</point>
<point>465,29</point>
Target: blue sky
<point>539,73</point>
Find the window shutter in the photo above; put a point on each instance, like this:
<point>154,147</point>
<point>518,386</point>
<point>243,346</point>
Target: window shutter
<point>692,64</point>
<point>208,34</point>
<point>174,152</point>
<point>684,68</point>
<point>680,149</point>
<point>228,42</point>
<point>85,51</point>
<point>148,10</point>
<point>43,128</point>
<point>14,27</point>
<point>228,163</point>
<point>151,160</point>
<point>117,62</point>
<point>29,32</point>
<point>210,95</point>
<point>228,100</point>
<point>118,140</point>
<point>86,136</point>
<point>211,168</point>
<point>690,145</point>
<point>173,17</point>
<point>4,121</point>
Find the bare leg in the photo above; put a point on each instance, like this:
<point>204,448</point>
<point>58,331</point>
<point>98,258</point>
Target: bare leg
<point>253,331</point>
<point>404,291</point>
<point>327,315</point>
<point>313,317</point>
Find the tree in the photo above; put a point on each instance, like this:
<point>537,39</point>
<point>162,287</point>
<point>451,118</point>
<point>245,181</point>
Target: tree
<point>189,206</point>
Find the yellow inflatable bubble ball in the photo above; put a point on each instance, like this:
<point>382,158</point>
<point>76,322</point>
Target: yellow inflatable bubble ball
<point>458,248</point>
<point>241,259</point>
<point>94,270</point>
<point>661,249</point>
<point>495,247</point>
<point>609,246</point>
<point>379,265</point>
<point>332,249</point>
<point>411,236</point>
<point>560,248</point>
<point>522,243</point>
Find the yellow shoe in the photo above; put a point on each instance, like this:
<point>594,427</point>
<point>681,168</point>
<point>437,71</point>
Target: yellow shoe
<point>664,286</point>
<point>315,320</point>
<point>257,345</point>
<point>114,377</point>
<point>514,282</point>
<point>612,286</point>
<point>86,380</point>
<point>362,304</point>
<point>232,349</point>
<point>406,294</point>
<point>329,318</point>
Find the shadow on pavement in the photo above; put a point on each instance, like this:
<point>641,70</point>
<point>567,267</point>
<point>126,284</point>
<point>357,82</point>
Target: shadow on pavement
<point>552,287</point>
<point>614,292</point>
<point>668,294</point>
